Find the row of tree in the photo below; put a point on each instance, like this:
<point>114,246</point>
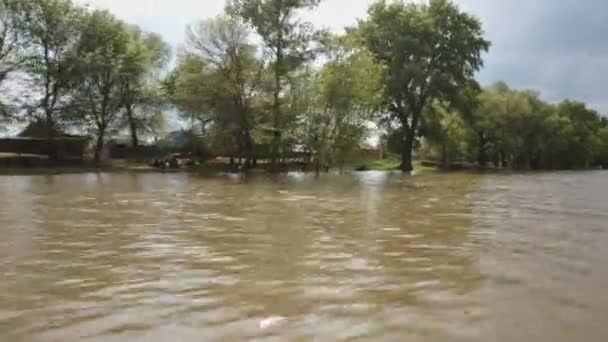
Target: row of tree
<point>259,82</point>
<point>308,90</point>
<point>81,68</point>
<point>501,127</point>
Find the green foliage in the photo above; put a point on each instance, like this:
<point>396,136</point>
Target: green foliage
<point>52,30</point>
<point>12,21</point>
<point>408,68</point>
<point>428,52</point>
<point>445,135</point>
<point>188,87</point>
<point>339,103</point>
<point>516,129</point>
<point>215,84</point>
<point>101,57</point>
<point>142,98</point>
<point>287,40</point>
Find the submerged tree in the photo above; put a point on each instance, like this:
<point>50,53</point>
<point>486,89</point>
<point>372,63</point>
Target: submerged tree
<point>428,51</point>
<point>287,42</point>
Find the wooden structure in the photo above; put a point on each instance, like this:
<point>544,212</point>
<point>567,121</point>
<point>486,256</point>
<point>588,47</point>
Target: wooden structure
<point>41,140</point>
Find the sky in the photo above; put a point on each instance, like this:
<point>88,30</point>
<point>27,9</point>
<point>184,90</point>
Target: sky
<point>557,47</point>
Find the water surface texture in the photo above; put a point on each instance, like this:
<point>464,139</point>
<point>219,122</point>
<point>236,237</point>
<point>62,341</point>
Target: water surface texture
<point>370,256</point>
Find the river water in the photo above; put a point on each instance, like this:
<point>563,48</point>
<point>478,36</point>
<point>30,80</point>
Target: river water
<point>369,256</point>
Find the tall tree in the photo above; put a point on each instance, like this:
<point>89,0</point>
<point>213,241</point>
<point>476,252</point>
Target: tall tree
<point>218,82</point>
<point>52,31</point>
<point>287,40</point>
<point>428,52</point>
<point>146,56</point>
<point>101,57</point>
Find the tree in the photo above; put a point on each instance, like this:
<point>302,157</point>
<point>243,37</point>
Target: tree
<point>217,83</point>
<point>12,42</point>
<point>188,86</point>
<point>223,44</point>
<point>339,102</point>
<point>444,133</point>
<point>140,85</point>
<point>52,30</point>
<point>101,57</point>
<point>12,20</point>
<point>428,51</point>
<point>287,40</point>
<point>583,142</point>
<point>516,129</point>
<point>602,155</point>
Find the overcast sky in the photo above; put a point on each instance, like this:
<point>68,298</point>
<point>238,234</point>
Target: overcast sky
<point>559,47</point>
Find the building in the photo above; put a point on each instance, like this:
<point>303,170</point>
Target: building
<point>42,141</point>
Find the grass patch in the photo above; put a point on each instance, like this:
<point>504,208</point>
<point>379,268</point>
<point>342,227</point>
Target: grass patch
<point>384,165</point>
<point>393,164</point>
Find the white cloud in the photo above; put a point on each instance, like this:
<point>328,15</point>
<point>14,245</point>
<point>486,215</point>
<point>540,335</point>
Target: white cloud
<point>167,8</point>
<point>155,15</point>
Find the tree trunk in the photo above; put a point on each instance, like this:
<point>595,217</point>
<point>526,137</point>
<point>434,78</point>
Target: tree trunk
<point>278,73</point>
<point>482,157</point>
<point>408,146</point>
<point>406,155</point>
<point>248,149</point>
<point>132,126</point>
<point>49,119</point>
<point>444,156</point>
<point>99,147</point>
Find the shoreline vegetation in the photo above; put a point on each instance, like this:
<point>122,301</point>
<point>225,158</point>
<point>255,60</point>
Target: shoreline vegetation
<point>259,83</point>
<point>222,168</point>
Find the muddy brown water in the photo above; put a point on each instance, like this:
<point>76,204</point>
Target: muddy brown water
<point>368,256</point>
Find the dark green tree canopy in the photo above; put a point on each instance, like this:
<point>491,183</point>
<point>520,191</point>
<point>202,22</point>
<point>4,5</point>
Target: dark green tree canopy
<point>428,51</point>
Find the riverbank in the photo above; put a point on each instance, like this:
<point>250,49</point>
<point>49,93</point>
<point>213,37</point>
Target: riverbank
<point>205,168</point>
<point>218,168</point>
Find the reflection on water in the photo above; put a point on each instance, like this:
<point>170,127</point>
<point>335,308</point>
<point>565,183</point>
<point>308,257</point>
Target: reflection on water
<point>372,256</point>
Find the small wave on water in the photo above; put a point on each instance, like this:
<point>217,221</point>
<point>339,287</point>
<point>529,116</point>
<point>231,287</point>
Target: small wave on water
<point>368,256</point>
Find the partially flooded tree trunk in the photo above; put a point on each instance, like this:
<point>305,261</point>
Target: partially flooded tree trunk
<point>444,156</point>
<point>249,158</point>
<point>406,155</point>
<point>482,157</point>
<point>408,145</point>
<point>99,146</point>
<point>278,73</point>
<point>132,126</point>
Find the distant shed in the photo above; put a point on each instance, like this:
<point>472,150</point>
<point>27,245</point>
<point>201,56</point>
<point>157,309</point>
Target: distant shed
<point>42,140</point>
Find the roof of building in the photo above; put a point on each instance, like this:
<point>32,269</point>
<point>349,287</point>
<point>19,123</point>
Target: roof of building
<point>41,130</point>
